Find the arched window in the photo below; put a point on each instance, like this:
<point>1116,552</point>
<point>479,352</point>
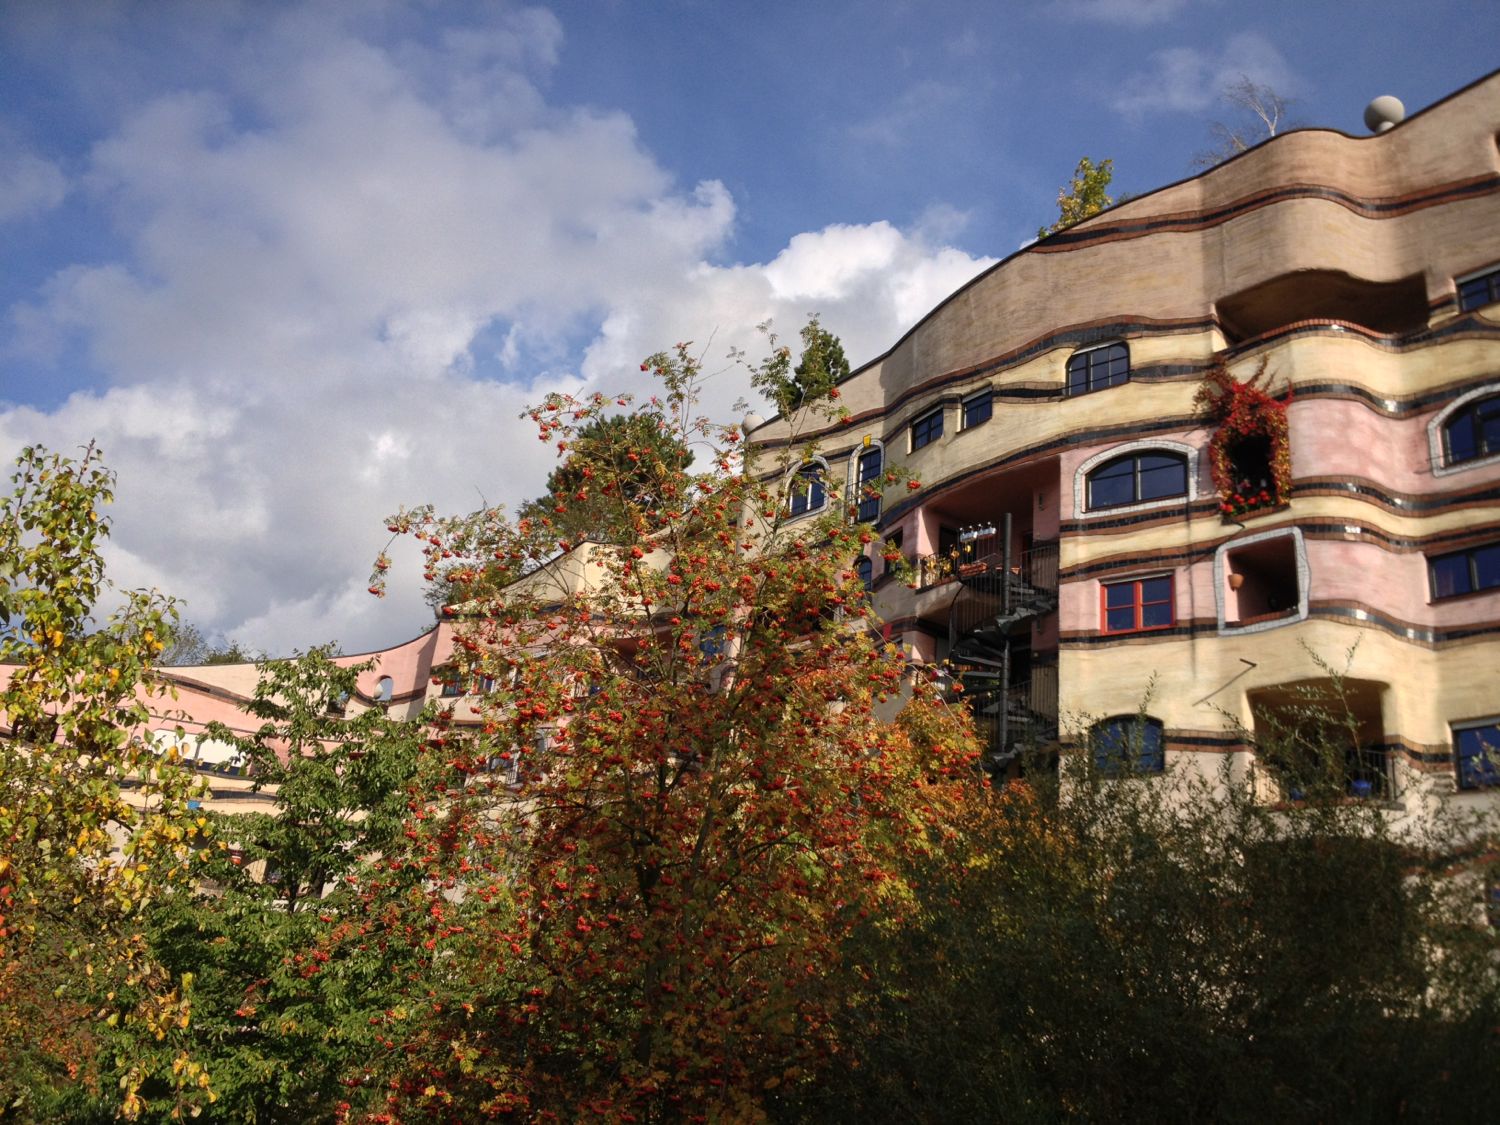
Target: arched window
<point>1126,745</point>
<point>869,466</point>
<point>1097,368</point>
<point>1472,432</point>
<point>1137,478</point>
<point>864,570</point>
<point>384,687</point>
<point>809,492</point>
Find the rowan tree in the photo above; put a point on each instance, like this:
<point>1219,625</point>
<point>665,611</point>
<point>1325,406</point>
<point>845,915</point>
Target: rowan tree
<point>688,780</point>
<point>94,818</point>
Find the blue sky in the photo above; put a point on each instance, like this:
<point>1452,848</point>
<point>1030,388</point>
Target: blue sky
<point>296,264</point>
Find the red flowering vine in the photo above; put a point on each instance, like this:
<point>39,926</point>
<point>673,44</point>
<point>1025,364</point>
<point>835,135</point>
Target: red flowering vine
<point>1250,454</point>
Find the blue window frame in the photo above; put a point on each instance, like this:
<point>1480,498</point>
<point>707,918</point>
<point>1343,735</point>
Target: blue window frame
<point>1098,368</point>
<point>1137,478</point>
<point>809,493</point>
<point>1477,750</point>
<point>1475,292</point>
<point>927,429</point>
<point>1473,432</point>
<point>867,484</point>
<point>1465,572</point>
<point>978,409</point>
<point>1128,744</point>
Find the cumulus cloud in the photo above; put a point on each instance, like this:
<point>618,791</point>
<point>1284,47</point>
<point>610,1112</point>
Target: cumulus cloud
<point>349,266</point>
<point>29,184</point>
<point>1190,80</point>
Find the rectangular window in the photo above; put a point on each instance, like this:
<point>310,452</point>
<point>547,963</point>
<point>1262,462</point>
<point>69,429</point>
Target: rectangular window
<point>867,484</point>
<point>1137,605</point>
<point>1477,750</point>
<point>927,429</point>
<point>1098,368</point>
<point>978,408</point>
<point>1482,289</point>
<point>1465,572</point>
<point>452,685</point>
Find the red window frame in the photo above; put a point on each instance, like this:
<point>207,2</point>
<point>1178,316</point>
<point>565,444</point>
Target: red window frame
<point>1138,603</point>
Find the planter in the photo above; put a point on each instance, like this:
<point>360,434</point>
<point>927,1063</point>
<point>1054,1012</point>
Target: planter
<point>968,570</point>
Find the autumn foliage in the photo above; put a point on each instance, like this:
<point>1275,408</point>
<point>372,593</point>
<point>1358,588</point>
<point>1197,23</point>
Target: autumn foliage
<point>697,767</point>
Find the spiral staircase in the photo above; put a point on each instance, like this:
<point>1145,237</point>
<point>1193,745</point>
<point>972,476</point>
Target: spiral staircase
<point>1011,690</point>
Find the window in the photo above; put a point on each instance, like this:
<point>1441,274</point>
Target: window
<point>867,483</point>
<point>1137,478</point>
<point>384,688</point>
<point>1136,605</point>
<point>453,684</point>
<point>1098,368</point>
<point>1128,744</point>
<point>1477,749</point>
<point>927,429</point>
<point>978,408</point>
<point>1465,572</point>
<point>864,570</point>
<point>1262,580</point>
<point>1473,432</point>
<point>808,492</point>
<point>1482,289</point>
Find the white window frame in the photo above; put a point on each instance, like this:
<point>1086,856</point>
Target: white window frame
<point>1435,445</point>
<point>1081,510</point>
<point>1304,574</point>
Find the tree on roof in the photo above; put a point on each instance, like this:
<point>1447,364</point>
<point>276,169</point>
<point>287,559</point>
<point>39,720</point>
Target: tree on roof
<point>1085,196</point>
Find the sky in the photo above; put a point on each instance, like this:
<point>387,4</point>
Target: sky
<point>295,265</point>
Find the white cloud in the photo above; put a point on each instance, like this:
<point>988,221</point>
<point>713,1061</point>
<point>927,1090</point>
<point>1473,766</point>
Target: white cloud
<point>1132,12</point>
<point>1190,80</point>
<point>29,185</point>
<point>336,264</point>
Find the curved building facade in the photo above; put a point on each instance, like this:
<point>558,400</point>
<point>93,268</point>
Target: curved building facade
<point>1091,542</point>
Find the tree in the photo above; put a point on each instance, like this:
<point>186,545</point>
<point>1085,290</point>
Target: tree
<point>1177,948</point>
<point>681,791</point>
<point>293,971</point>
<point>813,380</point>
<point>1259,111</point>
<point>189,647</point>
<point>339,781</point>
<point>94,818</point>
<point>1084,197</point>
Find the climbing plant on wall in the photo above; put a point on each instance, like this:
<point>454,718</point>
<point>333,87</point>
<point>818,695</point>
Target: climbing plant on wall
<point>1250,456</point>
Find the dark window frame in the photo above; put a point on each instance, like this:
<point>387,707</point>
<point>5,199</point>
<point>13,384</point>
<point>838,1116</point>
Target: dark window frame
<point>1138,604</point>
<point>1119,751</point>
<point>869,467</point>
<point>1485,774</point>
<point>1098,369</point>
<point>927,429</point>
<point>1473,417</point>
<point>1476,582</point>
<point>1102,471</point>
<point>809,483</point>
<point>1478,290</point>
<point>970,412</point>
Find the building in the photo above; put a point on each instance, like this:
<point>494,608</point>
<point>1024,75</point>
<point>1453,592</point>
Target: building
<point>1089,549</point>
<point>1087,537</point>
